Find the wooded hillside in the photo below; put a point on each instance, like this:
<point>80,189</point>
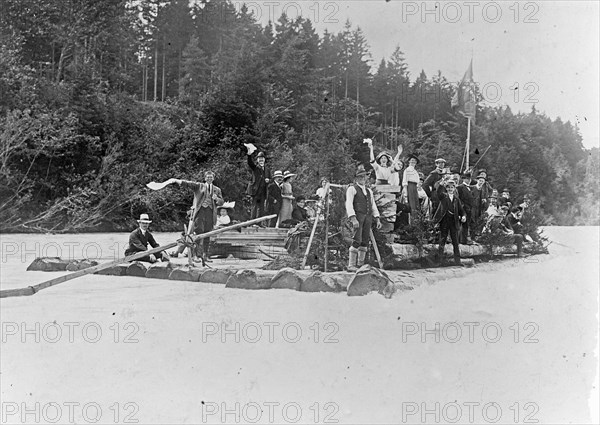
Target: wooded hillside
<point>99,97</point>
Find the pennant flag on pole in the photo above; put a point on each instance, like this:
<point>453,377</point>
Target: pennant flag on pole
<point>464,98</point>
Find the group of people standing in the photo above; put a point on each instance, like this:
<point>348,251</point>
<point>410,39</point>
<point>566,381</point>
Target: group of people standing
<point>272,193</point>
<point>454,203</point>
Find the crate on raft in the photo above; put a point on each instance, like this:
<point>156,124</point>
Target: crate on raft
<point>253,242</point>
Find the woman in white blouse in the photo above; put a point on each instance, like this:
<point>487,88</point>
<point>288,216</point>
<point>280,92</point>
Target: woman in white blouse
<point>386,170</point>
<point>410,181</point>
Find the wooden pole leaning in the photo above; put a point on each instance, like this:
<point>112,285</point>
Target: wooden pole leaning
<point>325,257</point>
<point>30,290</point>
<point>312,233</point>
<point>376,248</point>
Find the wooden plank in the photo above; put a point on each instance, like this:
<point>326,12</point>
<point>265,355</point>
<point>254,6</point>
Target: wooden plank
<point>388,188</point>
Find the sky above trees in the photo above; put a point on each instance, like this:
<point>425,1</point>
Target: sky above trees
<point>549,48</point>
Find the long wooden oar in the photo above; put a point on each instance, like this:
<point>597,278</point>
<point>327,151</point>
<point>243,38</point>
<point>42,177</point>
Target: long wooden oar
<point>30,290</point>
<point>376,248</point>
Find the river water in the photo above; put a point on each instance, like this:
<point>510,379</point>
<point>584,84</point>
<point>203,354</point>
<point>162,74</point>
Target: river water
<point>508,344</point>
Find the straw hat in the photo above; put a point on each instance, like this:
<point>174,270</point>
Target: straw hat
<point>144,218</point>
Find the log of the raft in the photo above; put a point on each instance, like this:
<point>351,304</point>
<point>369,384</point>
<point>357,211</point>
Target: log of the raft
<point>30,290</point>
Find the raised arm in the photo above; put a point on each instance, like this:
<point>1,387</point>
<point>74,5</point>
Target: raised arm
<point>397,163</point>
<point>251,163</point>
<point>371,153</point>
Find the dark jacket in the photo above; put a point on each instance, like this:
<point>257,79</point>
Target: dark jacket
<point>138,242</point>
<point>466,197</point>
<point>479,203</point>
<point>273,198</point>
<point>258,186</point>
<point>446,206</point>
<point>429,183</point>
<point>200,193</point>
<point>299,214</point>
<point>504,201</point>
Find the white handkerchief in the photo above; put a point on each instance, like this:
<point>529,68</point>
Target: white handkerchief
<point>251,148</point>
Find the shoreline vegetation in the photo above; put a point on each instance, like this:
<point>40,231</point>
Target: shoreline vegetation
<point>95,103</point>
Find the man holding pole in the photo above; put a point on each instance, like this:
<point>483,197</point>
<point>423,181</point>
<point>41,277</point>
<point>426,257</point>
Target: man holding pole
<point>207,197</point>
<point>361,210</point>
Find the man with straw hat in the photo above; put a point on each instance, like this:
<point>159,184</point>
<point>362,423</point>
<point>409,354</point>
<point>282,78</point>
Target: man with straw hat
<point>448,215</point>
<point>361,210</point>
<point>139,240</point>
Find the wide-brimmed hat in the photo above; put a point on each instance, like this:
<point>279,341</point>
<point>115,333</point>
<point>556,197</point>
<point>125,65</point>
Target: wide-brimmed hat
<point>440,160</point>
<point>144,218</point>
<point>412,155</point>
<point>383,153</point>
<point>277,173</point>
<point>288,174</point>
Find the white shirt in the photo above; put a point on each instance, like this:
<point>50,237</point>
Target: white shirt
<point>350,193</point>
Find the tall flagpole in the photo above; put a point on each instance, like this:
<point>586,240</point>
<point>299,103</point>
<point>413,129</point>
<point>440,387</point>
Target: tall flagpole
<point>468,142</point>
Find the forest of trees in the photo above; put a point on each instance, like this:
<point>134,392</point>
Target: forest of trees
<point>100,97</point>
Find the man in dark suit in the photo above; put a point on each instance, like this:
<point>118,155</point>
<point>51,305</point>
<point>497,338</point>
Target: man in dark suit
<point>429,183</point>
<point>274,196</point>
<point>505,198</point>
<point>207,197</point>
<point>257,188</point>
<point>479,204</point>
<point>466,197</point>
<point>139,240</point>
<point>448,216</point>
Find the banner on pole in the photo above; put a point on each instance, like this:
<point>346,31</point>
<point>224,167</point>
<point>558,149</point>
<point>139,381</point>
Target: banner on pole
<point>464,99</point>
